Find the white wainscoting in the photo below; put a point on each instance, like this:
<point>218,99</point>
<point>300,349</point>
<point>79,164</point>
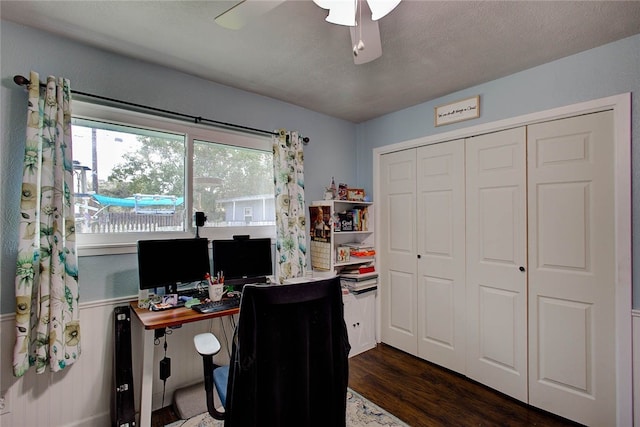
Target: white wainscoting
<point>81,394</point>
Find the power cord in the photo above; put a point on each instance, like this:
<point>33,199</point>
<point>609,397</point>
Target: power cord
<point>165,368</point>
<point>232,321</point>
<point>226,338</point>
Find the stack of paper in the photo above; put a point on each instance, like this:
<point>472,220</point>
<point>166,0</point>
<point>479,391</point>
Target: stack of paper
<point>359,282</point>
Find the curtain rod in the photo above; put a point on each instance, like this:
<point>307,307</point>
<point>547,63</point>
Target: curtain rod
<point>23,81</point>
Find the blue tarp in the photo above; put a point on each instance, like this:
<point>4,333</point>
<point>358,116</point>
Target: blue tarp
<point>144,201</point>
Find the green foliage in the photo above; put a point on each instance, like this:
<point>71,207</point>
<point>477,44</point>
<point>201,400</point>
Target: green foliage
<point>156,168</point>
<point>238,172</point>
<point>242,171</point>
<point>220,172</point>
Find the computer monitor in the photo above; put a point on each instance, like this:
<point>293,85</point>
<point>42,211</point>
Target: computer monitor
<point>170,263</point>
<point>242,260</point>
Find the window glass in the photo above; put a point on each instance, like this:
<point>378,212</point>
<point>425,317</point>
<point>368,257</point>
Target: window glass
<point>127,179</point>
<point>233,185</point>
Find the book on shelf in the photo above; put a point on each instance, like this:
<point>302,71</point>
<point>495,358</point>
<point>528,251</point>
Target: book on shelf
<point>360,218</point>
<point>356,284</point>
<point>358,277</point>
<point>363,290</point>
<point>359,269</point>
<point>355,219</point>
<point>359,286</point>
<point>359,246</point>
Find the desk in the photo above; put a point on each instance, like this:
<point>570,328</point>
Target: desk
<point>152,320</point>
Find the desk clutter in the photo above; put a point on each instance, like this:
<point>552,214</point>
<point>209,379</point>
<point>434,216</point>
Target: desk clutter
<point>208,296</point>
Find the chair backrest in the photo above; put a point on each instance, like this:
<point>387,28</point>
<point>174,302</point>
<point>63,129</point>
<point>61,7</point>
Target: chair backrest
<point>289,362</point>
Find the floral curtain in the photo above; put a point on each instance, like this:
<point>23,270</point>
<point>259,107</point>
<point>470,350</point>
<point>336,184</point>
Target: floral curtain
<point>291,238</point>
<point>47,315</point>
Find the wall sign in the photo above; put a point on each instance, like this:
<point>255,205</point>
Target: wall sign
<point>458,111</point>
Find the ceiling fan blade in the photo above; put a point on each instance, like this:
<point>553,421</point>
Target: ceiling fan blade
<point>244,11</point>
<point>369,33</point>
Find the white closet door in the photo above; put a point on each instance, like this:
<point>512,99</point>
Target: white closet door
<point>572,365</point>
<point>496,257</point>
<point>397,280</point>
<point>441,254</point>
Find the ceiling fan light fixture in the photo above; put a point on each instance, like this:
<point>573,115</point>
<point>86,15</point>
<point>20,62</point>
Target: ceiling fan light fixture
<point>381,8</point>
<point>343,12</point>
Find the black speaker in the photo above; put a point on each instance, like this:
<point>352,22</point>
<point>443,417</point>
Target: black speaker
<point>123,411</point>
<point>200,219</point>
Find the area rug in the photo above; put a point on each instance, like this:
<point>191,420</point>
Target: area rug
<point>360,413</point>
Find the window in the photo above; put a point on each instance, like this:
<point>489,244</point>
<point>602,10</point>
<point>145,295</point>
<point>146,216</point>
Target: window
<point>127,179</point>
<point>231,183</point>
<point>140,176</point>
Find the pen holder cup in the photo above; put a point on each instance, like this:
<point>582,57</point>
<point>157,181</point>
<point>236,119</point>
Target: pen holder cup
<point>216,291</point>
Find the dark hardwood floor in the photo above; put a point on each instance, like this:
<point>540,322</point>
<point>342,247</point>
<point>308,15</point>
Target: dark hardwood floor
<point>423,394</point>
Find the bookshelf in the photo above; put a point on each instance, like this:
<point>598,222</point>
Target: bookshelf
<point>338,228</point>
<point>341,224</point>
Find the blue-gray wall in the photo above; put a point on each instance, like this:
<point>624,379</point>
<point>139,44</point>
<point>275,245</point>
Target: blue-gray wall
<point>337,148</point>
<point>597,73</point>
<point>331,151</point>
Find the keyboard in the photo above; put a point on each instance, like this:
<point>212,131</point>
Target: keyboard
<point>215,306</point>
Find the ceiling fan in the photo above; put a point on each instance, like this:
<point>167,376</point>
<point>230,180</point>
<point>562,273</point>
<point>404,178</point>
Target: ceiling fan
<point>361,16</point>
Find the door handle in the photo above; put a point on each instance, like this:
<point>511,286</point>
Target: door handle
<point>522,268</point>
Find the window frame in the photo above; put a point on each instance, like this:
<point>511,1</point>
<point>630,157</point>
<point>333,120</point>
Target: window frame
<point>118,243</point>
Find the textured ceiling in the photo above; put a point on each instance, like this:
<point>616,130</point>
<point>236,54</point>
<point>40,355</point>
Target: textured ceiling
<point>430,48</point>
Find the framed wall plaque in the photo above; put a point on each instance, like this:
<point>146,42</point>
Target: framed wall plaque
<point>458,111</point>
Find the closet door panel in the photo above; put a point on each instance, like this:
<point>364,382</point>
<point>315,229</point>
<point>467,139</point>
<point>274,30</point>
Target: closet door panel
<point>397,280</point>
<point>441,254</point>
<point>496,261</point>
<point>572,268</point>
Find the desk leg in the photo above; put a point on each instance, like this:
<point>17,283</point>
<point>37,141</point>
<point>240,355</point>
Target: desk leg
<point>146,392</point>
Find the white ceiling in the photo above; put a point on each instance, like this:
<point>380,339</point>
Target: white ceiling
<point>430,48</point>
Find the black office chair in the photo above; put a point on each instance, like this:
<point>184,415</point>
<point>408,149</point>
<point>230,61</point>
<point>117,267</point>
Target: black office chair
<point>289,362</point>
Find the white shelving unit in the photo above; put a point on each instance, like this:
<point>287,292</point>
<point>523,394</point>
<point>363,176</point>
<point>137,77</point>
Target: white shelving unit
<point>359,316</point>
<point>340,238</point>
<point>359,308</point>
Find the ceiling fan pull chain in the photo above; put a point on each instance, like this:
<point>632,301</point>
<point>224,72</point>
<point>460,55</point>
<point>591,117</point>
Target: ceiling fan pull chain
<point>359,47</point>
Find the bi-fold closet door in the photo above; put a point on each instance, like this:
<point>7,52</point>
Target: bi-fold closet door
<point>422,262</point>
<point>497,261</point>
<point>572,268</point>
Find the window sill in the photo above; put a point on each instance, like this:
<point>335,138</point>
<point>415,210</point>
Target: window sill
<point>107,249</point>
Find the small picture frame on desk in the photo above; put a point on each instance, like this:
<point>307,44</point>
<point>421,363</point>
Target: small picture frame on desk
<point>170,299</point>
